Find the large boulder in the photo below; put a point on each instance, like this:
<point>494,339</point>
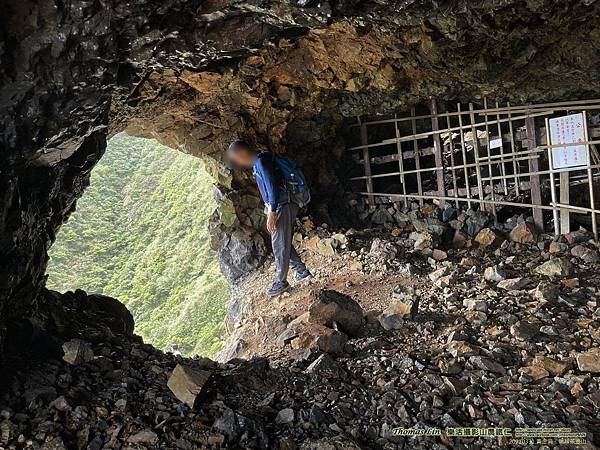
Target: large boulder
<point>331,307</point>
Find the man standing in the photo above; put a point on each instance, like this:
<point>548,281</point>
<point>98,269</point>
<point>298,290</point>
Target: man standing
<point>284,191</point>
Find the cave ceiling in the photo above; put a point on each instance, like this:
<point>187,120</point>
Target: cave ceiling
<point>283,74</point>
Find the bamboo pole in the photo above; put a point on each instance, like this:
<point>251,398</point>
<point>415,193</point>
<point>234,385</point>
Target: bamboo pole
<point>497,202</point>
<point>502,167</point>
<point>430,133</point>
<point>437,145</point>
<point>552,183</point>
<point>400,162</point>
<point>367,162</point>
<point>451,148</point>
<point>476,155</point>
<point>464,154</point>
<point>417,154</point>
<point>590,177</point>
<point>489,154</point>
<point>513,149</point>
<point>521,109</point>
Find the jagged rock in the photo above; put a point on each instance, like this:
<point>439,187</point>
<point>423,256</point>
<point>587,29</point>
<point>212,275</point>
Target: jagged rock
<point>187,384</point>
<point>474,304</point>
<point>439,273</point>
<point>381,216</point>
<point>405,304</point>
<point>586,254</point>
<point>390,320</point>
<point>476,221</point>
<point>534,372</point>
<point>241,430</point>
<point>325,246</point>
<point>461,348</point>
<point>553,366</point>
<point>325,365</point>
<point>525,330</point>
<point>459,240</point>
<point>546,291</point>
<point>383,250</point>
<point>61,404</point>
<point>330,307</point>
<point>487,364</point>
<point>557,247</point>
<point>555,267</point>
<point>439,255</point>
<point>77,351</point>
<point>488,237</point>
<point>143,437</point>
<point>423,240</point>
<point>286,336</point>
<point>589,361</point>
<point>449,213</point>
<point>319,337</point>
<point>579,236</point>
<point>523,233</point>
<point>514,283</point>
<point>241,252</point>
<point>284,416</point>
<point>494,274</point>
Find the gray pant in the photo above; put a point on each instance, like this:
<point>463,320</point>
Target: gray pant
<point>284,251</point>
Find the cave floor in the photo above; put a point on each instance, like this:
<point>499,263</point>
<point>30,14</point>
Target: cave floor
<point>505,336</point>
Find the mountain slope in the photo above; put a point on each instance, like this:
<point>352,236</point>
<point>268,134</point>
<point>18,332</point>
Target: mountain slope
<point>139,234</point>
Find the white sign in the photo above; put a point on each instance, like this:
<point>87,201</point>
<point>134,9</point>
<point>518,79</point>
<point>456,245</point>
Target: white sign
<point>496,143</point>
<point>568,130</point>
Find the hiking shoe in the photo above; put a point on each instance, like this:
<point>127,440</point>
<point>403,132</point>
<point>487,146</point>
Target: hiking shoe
<point>302,276</point>
<point>278,288</point>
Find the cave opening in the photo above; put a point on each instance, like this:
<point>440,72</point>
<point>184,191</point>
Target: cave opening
<point>139,234</point>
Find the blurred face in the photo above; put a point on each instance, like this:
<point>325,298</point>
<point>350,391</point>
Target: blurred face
<point>242,157</point>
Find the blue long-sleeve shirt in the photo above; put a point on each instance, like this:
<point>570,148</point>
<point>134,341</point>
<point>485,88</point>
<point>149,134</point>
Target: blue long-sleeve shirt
<point>266,178</point>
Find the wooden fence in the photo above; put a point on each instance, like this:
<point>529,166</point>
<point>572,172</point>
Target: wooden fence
<point>492,155</point>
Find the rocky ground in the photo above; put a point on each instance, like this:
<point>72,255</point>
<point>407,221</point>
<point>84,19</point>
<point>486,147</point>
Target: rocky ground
<point>399,328</point>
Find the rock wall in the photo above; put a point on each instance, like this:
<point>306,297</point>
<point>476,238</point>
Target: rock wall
<point>195,74</point>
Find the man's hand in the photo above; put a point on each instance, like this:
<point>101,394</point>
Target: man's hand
<point>271,222</point>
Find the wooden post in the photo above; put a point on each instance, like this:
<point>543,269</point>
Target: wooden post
<point>534,180</point>
<point>437,145</point>
<point>367,163</point>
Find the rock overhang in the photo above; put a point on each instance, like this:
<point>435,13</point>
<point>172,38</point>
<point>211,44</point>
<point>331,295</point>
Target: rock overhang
<point>196,74</point>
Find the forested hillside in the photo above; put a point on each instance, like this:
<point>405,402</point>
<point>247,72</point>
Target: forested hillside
<point>140,235</point>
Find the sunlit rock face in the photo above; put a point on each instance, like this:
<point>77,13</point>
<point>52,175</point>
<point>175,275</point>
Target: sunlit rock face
<point>196,74</point>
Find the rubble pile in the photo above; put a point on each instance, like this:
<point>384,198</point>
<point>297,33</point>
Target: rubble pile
<point>508,339</point>
<point>499,332</point>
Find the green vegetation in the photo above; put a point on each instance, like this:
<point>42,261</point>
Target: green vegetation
<point>140,235</point>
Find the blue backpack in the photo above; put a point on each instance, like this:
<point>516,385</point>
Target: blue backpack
<point>293,186</point>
